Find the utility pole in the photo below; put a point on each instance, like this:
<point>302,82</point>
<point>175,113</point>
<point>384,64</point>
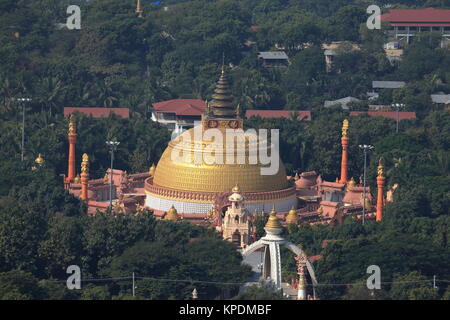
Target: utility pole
<point>23,100</point>
<point>397,106</point>
<point>133,286</point>
<point>112,147</point>
<point>365,148</point>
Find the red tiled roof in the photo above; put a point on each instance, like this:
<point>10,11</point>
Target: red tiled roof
<point>99,112</point>
<point>428,15</point>
<point>181,107</point>
<point>312,259</point>
<point>387,114</point>
<point>302,114</point>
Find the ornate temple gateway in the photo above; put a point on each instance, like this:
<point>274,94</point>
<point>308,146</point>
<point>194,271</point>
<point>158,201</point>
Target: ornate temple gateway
<point>196,188</point>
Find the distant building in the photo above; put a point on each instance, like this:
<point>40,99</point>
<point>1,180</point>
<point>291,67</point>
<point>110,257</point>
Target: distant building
<point>302,114</point>
<point>178,114</point>
<point>407,23</point>
<point>274,58</point>
<point>334,48</point>
<point>393,52</point>
<point>379,107</point>
<point>441,100</point>
<point>388,84</point>
<point>344,102</point>
<point>99,112</point>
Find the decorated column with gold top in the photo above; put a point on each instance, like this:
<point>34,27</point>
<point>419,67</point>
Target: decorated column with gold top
<point>344,141</point>
<point>380,184</point>
<point>84,177</point>
<point>72,140</point>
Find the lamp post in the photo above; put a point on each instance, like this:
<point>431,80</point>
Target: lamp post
<point>365,148</point>
<point>23,100</point>
<point>397,106</point>
<point>112,147</point>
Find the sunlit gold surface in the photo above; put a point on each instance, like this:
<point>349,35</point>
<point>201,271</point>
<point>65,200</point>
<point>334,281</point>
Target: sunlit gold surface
<point>291,217</point>
<point>273,222</point>
<point>85,164</point>
<point>39,160</point>
<point>204,177</point>
<point>172,214</point>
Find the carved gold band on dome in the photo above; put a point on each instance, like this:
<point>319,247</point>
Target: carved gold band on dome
<point>212,202</point>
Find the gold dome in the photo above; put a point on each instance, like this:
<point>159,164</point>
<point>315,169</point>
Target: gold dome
<point>188,175</point>
<point>351,184</point>
<point>39,160</point>
<point>291,216</point>
<point>77,179</point>
<point>236,189</point>
<point>172,214</point>
<point>273,222</point>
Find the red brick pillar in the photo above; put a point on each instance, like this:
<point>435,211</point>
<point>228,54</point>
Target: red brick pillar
<point>71,166</point>
<point>344,161</point>
<point>380,198</point>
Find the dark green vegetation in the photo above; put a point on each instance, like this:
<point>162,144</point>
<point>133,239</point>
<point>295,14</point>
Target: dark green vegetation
<point>119,60</point>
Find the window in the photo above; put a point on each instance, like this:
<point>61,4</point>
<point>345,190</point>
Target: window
<point>425,29</point>
<point>412,28</point>
<point>401,28</point>
<point>436,28</point>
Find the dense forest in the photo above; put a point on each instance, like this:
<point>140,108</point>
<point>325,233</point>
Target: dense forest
<point>119,60</point>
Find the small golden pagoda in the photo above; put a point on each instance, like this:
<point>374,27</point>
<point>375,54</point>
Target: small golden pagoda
<point>273,222</point>
<point>172,214</point>
<point>39,160</point>
<point>291,217</point>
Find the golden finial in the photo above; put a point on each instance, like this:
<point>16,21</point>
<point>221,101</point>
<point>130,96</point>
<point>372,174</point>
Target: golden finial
<point>139,10</point>
<point>351,183</point>
<point>39,160</point>
<point>273,222</point>
<point>291,217</point>
<point>345,128</point>
<point>72,128</point>
<point>236,189</point>
<point>106,178</point>
<point>238,110</point>
<point>152,169</point>
<point>320,210</point>
<point>172,214</point>
<point>381,167</point>
<point>296,177</point>
<point>85,164</point>
<point>77,179</point>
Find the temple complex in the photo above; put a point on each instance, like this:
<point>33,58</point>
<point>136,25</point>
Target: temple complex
<point>227,196</point>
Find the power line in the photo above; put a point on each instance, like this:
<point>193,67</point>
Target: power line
<point>242,283</point>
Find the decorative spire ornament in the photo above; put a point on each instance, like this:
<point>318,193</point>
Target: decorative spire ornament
<point>139,10</point>
<point>84,177</point>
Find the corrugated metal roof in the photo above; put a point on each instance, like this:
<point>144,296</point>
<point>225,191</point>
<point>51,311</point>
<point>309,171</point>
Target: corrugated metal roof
<point>440,98</point>
<point>343,102</point>
<point>273,55</point>
<point>388,84</point>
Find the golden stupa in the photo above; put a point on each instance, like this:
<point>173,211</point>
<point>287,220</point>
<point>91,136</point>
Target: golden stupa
<point>196,172</point>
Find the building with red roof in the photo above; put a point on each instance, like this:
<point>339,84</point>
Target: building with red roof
<point>302,114</point>
<point>406,23</point>
<point>99,112</point>
<point>178,114</point>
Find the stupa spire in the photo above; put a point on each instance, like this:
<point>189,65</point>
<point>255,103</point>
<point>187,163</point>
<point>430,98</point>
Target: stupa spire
<point>72,135</point>
<point>222,104</point>
<point>84,177</point>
